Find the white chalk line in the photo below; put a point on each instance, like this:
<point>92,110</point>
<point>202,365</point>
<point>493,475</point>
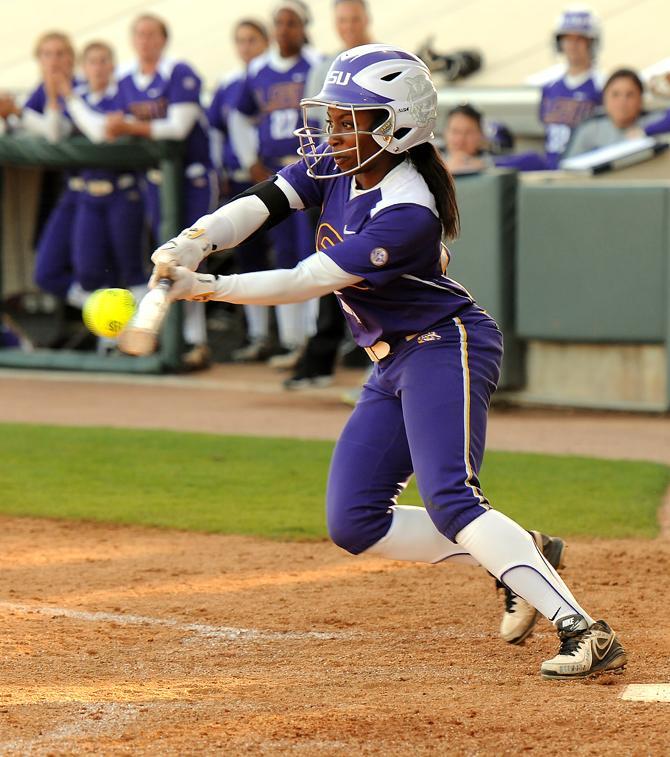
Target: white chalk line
<point>225,633</point>
<point>231,633</point>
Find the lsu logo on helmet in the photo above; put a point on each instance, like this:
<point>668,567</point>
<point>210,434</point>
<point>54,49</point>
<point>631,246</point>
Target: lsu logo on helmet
<point>340,78</point>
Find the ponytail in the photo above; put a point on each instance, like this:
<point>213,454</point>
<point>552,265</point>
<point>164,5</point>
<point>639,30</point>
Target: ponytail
<point>430,165</point>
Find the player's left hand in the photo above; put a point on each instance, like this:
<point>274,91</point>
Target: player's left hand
<point>187,285</point>
<point>189,249</point>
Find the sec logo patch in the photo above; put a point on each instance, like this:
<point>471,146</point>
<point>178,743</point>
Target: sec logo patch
<point>379,257</point>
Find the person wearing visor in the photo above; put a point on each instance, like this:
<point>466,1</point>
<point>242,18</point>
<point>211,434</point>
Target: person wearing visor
<point>387,201</point>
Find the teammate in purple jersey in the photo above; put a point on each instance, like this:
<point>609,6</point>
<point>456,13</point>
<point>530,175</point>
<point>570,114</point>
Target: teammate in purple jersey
<point>271,95</point>
<point>251,40</point>
<point>577,95</point>
<point>387,200</point>
<point>44,115</point>
<point>570,99</point>
<point>161,99</point>
<point>109,208</point>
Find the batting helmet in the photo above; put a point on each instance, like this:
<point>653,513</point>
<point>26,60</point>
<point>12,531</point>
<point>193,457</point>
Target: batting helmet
<point>373,77</point>
<point>578,20</point>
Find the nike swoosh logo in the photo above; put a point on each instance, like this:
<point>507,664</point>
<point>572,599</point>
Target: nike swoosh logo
<point>602,647</point>
<point>345,230</point>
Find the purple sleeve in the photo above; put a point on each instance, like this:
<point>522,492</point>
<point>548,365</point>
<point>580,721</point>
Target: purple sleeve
<point>543,100</point>
<point>399,240</point>
<point>184,85</point>
<point>37,100</point>
<point>245,101</point>
<point>309,190</point>
<point>215,110</point>
<point>524,161</point>
<point>658,127</point>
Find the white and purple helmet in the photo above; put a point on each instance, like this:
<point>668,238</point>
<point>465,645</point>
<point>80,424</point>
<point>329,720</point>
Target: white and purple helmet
<point>372,77</point>
<point>578,20</point>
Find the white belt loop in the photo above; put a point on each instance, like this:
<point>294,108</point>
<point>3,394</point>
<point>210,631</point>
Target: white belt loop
<point>99,187</point>
<point>125,181</point>
<point>155,176</point>
<point>241,176</point>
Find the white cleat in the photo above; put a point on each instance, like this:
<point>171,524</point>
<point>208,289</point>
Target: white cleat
<point>584,651</point>
<point>519,617</point>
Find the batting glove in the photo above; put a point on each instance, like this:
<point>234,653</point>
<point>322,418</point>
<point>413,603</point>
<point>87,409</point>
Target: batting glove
<point>187,285</point>
<point>187,250</point>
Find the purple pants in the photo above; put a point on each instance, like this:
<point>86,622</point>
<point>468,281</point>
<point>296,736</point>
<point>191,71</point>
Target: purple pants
<point>107,240</point>
<point>53,262</point>
<point>423,411</point>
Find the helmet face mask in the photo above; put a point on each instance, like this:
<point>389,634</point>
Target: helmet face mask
<point>312,136</point>
<point>371,77</point>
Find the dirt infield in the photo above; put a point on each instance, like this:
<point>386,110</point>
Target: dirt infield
<point>142,641</point>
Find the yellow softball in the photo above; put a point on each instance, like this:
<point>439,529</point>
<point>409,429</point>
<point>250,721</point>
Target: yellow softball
<point>107,311</point>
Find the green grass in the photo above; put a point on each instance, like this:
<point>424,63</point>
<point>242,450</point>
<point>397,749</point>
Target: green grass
<point>275,487</point>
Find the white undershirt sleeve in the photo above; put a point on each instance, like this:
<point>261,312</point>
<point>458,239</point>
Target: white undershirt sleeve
<point>236,221</point>
<point>231,224</point>
<point>180,119</point>
<point>89,122</point>
<point>52,124</point>
<point>243,135</point>
<point>313,277</point>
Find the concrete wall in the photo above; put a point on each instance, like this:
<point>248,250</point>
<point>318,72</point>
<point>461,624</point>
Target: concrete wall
<point>593,284</point>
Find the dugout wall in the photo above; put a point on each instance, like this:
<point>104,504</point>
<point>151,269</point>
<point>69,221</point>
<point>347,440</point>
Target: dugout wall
<point>483,257</point>
<point>593,283</point>
<point>30,152</point>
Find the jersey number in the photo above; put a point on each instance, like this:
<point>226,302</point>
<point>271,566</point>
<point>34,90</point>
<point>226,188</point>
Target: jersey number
<point>283,123</point>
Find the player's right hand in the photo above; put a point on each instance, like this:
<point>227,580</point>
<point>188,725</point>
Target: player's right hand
<point>186,285</point>
<point>187,250</point>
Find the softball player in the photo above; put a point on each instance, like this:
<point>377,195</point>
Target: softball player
<point>270,95</point>
<point>577,95</point>
<point>386,202</point>
<point>573,97</point>
<point>44,114</point>
<point>161,100</point>
<point>251,40</point>
<point>109,208</point>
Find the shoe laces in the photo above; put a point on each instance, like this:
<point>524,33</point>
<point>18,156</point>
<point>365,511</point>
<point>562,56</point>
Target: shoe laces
<point>570,642</point>
<point>510,597</point>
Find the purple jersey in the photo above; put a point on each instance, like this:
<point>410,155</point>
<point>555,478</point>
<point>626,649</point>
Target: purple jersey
<point>661,126</point>
<point>107,102</point>
<point>272,93</point>
<point>389,235</point>
<point>223,102</point>
<point>38,100</point>
<point>563,108</point>
<point>149,100</point>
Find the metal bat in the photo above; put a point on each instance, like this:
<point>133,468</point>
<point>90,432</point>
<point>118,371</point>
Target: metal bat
<point>140,337</point>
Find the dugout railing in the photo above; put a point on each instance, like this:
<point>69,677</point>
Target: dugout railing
<point>125,154</point>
